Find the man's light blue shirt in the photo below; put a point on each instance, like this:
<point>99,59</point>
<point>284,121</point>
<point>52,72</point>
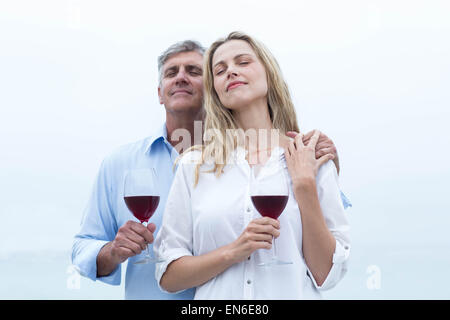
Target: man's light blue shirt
<point>106,212</point>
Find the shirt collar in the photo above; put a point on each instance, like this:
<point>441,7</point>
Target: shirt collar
<point>277,154</point>
<point>160,134</point>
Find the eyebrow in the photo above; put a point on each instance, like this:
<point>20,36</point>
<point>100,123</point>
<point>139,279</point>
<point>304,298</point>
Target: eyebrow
<point>172,68</point>
<point>235,58</point>
<point>187,67</point>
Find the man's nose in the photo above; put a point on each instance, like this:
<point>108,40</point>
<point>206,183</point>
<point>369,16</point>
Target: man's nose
<point>181,77</point>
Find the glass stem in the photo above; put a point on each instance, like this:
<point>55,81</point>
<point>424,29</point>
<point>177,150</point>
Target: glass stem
<point>274,255</point>
<point>145,224</point>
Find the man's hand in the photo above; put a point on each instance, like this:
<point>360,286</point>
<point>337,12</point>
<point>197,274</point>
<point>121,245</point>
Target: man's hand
<point>324,145</point>
<point>130,240</point>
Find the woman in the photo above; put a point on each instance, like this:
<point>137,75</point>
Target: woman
<point>212,238</point>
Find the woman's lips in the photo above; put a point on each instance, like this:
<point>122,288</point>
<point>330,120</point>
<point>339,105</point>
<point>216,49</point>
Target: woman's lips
<point>235,85</point>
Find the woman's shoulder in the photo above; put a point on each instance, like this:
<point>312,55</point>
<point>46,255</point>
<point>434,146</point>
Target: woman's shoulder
<point>326,170</point>
<point>190,157</point>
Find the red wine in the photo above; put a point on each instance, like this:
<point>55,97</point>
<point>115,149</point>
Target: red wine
<point>270,206</point>
<point>142,207</point>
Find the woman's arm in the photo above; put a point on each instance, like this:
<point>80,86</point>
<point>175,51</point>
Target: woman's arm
<point>192,271</point>
<point>319,243</point>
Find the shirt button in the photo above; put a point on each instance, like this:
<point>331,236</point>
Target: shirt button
<point>248,209</point>
<point>249,281</point>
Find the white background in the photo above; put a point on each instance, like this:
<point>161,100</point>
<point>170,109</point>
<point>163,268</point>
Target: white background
<point>79,78</point>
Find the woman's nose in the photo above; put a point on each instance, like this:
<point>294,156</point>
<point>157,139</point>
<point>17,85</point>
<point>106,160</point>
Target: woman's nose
<point>231,73</point>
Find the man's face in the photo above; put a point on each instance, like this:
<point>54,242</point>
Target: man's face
<point>181,87</point>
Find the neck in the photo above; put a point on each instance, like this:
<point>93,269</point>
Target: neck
<point>260,136</point>
<point>184,129</point>
<point>255,121</point>
<point>254,116</point>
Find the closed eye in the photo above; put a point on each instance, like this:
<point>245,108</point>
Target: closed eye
<point>219,72</point>
<point>171,72</point>
<point>194,70</point>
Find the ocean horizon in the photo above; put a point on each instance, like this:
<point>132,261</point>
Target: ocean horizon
<point>384,272</point>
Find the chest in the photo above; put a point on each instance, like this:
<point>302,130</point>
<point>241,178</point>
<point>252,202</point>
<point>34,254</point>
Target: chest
<point>222,206</point>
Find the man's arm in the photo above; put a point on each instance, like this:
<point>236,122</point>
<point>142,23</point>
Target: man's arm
<point>98,227</point>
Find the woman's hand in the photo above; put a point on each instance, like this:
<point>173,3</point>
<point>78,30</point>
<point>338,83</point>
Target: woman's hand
<point>301,160</point>
<point>324,145</point>
<point>257,235</point>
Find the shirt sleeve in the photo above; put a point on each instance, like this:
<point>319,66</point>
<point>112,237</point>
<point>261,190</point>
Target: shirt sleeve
<point>345,201</point>
<point>336,219</point>
<point>175,237</point>
<point>98,227</point>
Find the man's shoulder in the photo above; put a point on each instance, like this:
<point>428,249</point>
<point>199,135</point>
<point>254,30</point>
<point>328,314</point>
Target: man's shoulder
<point>127,152</point>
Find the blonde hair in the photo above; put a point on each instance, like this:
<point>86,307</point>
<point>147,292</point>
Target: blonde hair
<point>219,141</point>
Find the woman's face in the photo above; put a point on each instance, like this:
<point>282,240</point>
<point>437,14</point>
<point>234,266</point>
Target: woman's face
<point>239,76</point>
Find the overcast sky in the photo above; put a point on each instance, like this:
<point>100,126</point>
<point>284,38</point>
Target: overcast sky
<point>79,78</point>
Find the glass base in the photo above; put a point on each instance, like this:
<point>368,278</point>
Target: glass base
<point>273,262</point>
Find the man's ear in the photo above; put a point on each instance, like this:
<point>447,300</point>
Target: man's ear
<point>161,100</point>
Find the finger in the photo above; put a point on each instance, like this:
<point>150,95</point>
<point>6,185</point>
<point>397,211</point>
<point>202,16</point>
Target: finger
<point>299,140</point>
<point>323,138</point>
<point>287,156</point>
<point>324,159</point>
<point>292,134</point>
<point>260,237</point>
<point>266,229</point>
<point>151,227</point>
<point>323,151</point>
<point>148,236</point>
<point>271,230</point>
<point>286,152</point>
<point>130,245</point>
<point>261,245</point>
<point>267,220</point>
<point>323,144</point>
<point>131,236</point>
<point>314,139</point>
<point>307,136</point>
<point>291,147</point>
<point>143,231</point>
<point>138,234</point>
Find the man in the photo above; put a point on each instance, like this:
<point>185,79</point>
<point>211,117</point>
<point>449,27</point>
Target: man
<point>109,234</point>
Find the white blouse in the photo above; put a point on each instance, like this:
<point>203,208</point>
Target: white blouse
<point>215,213</point>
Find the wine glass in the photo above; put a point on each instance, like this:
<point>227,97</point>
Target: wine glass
<point>269,191</point>
<point>141,196</point>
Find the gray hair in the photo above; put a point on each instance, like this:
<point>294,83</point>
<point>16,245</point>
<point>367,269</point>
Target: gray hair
<point>179,47</point>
